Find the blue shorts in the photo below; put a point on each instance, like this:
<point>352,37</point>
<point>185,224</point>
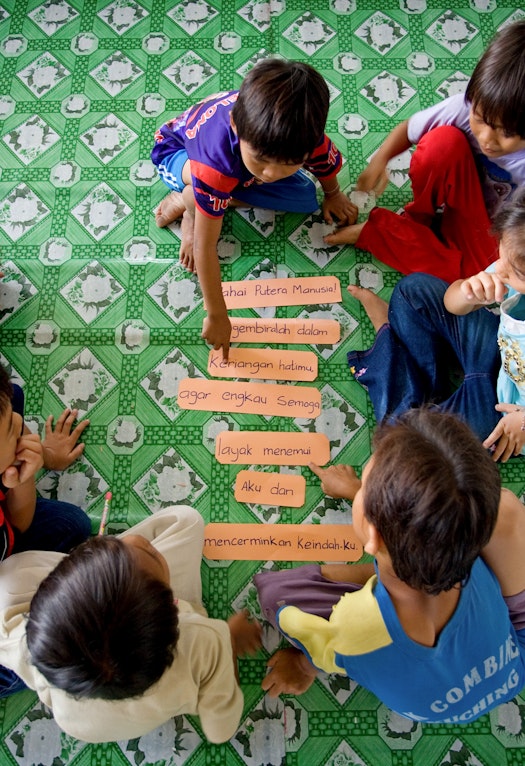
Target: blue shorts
<point>295,194</point>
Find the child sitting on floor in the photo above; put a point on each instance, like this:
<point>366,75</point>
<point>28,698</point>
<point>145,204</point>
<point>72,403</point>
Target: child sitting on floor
<point>116,640</point>
<point>445,230</point>
<point>429,328</point>
<point>247,148</point>
<point>27,521</point>
<point>438,631</point>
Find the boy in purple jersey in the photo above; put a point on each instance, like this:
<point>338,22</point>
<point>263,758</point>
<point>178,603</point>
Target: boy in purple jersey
<point>247,148</point>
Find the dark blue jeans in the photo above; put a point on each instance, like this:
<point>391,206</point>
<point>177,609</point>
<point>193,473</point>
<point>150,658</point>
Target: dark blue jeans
<point>56,526</point>
<point>413,356</point>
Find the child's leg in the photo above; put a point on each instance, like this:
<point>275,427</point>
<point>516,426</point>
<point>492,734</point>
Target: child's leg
<point>171,171</point>
<point>434,336</point>
<point>9,682</point>
<point>305,587</point>
<point>56,526</point>
<point>407,243</point>
<point>295,194</point>
<point>178,533</point>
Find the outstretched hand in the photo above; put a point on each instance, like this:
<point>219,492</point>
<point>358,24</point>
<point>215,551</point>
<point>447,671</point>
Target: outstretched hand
<point>290,673</point>
<point>60,444</point>
<point>245,634</point>
<point>508,438</point>
<point>337,480</point>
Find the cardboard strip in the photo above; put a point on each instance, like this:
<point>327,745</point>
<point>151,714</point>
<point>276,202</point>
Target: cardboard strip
<point>270,488</point>
<point>279,330</point>
<point>282,542</point>
<point>266,363</point>
<point>251,398</point>
<point>287,291</point>
<point>271,448</point>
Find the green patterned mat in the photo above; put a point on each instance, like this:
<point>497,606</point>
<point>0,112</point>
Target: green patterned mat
<point>96,313</point>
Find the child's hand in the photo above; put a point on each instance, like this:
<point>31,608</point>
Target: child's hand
<point>508,438</point>
<point>340,208</point>
<point>217,332</point>
<point>337,480</point>
<point>373,178</point>
<point>60,445</point>
<point>245,634</point>
<point>483,288</point>
<point>290,673</point>
<point>29,460</point>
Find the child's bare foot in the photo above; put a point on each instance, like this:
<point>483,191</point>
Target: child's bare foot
<point>186,241</point>
<point>171,208</point>
<point>375,307</point>
<point>346,235</point>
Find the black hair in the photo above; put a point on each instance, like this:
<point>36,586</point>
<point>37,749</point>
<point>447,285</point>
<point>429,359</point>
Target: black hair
<point>497,87</point>
<point>510,221</point>
<point>281,109</point>
<point>433,494</point>
<point>101,627</point>
<point>6,391</point>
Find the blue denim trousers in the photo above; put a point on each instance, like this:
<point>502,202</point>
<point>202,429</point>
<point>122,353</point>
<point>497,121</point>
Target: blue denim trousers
<point>415,355</point>
<point>56,526</point>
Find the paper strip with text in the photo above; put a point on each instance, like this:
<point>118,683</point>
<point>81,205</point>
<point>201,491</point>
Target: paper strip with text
<point>267,363</point>
<point>270,488</point>
<point>280,330</point>
<point>252,398</point>
<point>286,291</point>
<point>282,542</point>
<point>271,448</point>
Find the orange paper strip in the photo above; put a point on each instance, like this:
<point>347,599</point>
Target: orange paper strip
<point>279,330</point>
<point>270,488</point>
<point>252,398</point>
<point>288,291</point>
<point>282,542</point>
<point>267,363</point>
<point>271,448</point>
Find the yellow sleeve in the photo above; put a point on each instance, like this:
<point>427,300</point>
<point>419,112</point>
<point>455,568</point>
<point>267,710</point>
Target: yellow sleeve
<point>356,626</point>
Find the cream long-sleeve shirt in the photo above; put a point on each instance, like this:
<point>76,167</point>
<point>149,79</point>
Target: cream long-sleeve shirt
<point>201,681</point>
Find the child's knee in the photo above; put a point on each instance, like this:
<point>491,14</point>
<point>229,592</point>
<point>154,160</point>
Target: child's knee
<point>445,141</point>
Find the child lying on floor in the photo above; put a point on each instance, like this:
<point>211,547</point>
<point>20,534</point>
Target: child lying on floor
<point>437,631</point>
<point>116,640</point>
<point>247,148</point>
<point>445,230</point>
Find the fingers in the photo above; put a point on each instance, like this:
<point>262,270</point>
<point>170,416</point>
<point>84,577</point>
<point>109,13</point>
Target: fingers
<point>319,472</point>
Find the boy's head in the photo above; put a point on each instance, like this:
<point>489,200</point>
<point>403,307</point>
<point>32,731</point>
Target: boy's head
<point>432,492</point>
<point>281,110</point>
<point>496,93</point>
<point>509,227</point>
<point>103,624</point>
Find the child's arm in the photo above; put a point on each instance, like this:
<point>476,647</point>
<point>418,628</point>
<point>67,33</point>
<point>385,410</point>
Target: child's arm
<point>217,326</point>
<point>508,438</point>
<point>337,205</point>
<point>60,444</point>
<point>374,177</point>
<point>505,552</point>
<point>245,636</point>
<point>466,295</point>
<point>19,479</point>
<point>337,480</point>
